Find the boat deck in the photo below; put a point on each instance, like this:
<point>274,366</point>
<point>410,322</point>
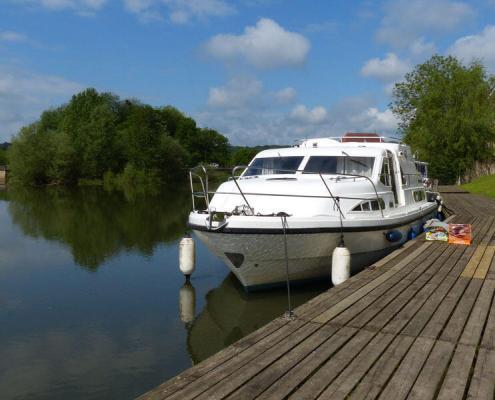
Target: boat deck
<point>418,324</point>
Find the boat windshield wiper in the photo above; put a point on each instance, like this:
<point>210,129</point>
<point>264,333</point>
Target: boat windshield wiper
<point>354,160</point>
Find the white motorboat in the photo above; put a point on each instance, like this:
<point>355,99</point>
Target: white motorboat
<point>362,187</point>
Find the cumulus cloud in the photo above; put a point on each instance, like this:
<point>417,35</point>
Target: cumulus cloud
<point>24,95</point>
<point>315,116</point>
<point>285,95</point>
<point>261,125</point>
<point>386,69</point>
<point>265,45</point>
<point>406,20</point>
<point>238,92</point>
<point>473,47</point>
<point>421,48</point>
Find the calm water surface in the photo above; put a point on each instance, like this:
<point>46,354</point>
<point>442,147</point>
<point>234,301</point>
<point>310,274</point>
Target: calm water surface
<point>89,295</point>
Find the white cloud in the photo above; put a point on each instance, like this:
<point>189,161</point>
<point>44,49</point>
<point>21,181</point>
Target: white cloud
<point>285,95</point>
<point>238,92</point>
<point>372,119</point>
<point>304,115</point>
<point>24,95</point>
<point>10,36</point>
<point>182,11</point>
<point>81,7</point>
<point>420,48</point>
<point>387,69</point>
<point>146,10</point>
<point>254,126</point>
<point>265,45</point>
<point>481,46</point>
<point>249,126</point>
<point>406,20</point>
<point>179,11</point>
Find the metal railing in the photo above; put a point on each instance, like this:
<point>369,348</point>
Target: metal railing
<point>205,193</point>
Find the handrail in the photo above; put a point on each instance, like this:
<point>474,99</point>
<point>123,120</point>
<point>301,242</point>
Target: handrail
<point>206,193</point>
<point>204,185</point>
<point>238,187</point>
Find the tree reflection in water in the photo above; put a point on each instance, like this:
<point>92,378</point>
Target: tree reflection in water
<point>96,224</point>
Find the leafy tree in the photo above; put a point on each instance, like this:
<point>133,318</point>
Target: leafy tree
<point>90,119</point>
<point>243,155</point>
<point>96,136</point>
<point>3,157</point>
<point>30,155</point>
<point>447,114</point>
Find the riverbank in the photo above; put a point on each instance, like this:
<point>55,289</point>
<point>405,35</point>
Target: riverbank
<point>484,186</point>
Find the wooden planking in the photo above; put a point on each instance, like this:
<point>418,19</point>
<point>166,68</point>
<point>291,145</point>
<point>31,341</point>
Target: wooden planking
<point>482,385</point>
<point>316,383</point>
<point>471,335</point>
<point>342,386</point>
<point>297,375</point>
<point>474,261</point>
<point>485,262</point>
<point>358,294</point>
<point>453,328</point>
<point>404,377</point>
<point>279,368</point>
<point>457,375</point>
<point>376,378</point>
<point>431,375</point>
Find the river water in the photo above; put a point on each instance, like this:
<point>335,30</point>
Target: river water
<point>89,295</point>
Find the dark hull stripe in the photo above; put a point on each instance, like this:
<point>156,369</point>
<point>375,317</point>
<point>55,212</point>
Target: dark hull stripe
<point>258,231</point>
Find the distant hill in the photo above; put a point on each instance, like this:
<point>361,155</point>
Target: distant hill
<point>4,145</point>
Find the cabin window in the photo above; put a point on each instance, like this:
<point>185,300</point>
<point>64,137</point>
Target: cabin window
<point>419,195</point>
<point>371,205</point>
<point>343,165</point>
<point>273,165</point>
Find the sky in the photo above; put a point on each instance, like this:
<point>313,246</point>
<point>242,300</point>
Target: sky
<point>258,71</point>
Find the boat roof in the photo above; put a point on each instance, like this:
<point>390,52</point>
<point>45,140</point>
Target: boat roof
<point>360,145</point>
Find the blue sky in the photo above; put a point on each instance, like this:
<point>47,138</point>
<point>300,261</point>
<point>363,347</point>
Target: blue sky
<point>259,71</point>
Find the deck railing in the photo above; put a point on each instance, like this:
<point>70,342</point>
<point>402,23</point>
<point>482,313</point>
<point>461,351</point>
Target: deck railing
<point>202,179</point>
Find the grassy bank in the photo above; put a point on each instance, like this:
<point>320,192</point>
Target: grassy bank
<point>484,185</point>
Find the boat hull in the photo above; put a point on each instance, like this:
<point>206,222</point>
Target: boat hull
<point>258,259</point>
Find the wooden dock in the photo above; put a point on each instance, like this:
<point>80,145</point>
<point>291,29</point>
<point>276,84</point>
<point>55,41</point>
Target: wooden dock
<point>418,324</point>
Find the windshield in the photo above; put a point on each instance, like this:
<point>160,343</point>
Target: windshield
<point>273,165</point>
<point>340,165</point>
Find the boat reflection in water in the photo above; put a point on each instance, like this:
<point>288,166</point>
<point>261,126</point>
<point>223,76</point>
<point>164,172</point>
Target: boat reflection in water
<point>230,314</point>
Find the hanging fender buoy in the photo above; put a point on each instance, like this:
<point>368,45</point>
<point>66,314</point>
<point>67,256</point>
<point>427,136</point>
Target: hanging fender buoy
<point>187,255</point>
<point>341,264</point>
<point>393,236</point>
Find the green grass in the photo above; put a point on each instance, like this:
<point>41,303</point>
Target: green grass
<point>484,185</point>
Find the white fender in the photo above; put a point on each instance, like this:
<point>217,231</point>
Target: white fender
<point>187,255</point>
<point>341,265</point>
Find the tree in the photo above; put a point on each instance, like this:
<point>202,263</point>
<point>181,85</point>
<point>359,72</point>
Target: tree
<point>97,136</point>
<point>30,155</point>
<point>243,155</point>
<point>446,113</point>
<point>90,119</point>
<point>3,157</point>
